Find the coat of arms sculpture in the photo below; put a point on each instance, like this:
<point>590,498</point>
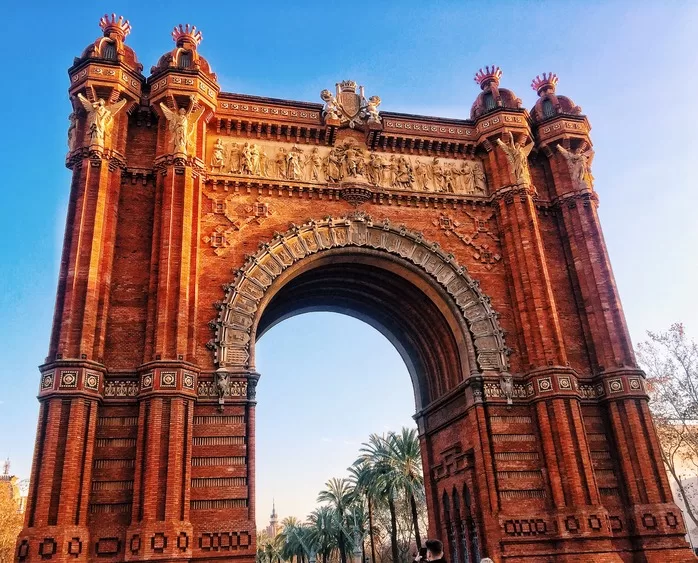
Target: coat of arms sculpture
<point>348,107</point>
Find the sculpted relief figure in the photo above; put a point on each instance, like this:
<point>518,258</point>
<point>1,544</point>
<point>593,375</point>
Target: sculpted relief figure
<point>281,163</point>
<point>233,158</point>
<point>100,117</point>
<point>294,170</point>
<point>579,164</point>
<point>404,177</point>
<point>333,165</point>
<point>374,169</point>
<point>517,155</point>
<point>330,109</point>
<point>480,178</point>
<point>372,109</point>
<point>72,132</point>
<point>217,158</point>
<point>179,125</point>
<point>353,160</point>
<point>422,174</point>
<point>313,162</point>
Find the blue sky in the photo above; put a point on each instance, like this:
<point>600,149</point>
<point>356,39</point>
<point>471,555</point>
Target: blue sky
<point>630,65</point>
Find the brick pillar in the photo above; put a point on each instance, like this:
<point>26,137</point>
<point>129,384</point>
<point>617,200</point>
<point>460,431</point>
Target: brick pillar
<point>57,507</point>
<point>160,524</point>
<point>572,486</point>
<point>650,511</point>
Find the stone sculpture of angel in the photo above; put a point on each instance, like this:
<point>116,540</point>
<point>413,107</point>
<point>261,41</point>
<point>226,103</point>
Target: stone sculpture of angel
<point>100,117</point>
<point>178,123</point>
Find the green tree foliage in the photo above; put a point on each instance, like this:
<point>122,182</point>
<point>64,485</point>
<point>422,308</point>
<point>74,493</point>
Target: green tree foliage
<point>382,501</point>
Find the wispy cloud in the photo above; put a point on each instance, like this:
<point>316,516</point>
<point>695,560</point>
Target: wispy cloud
<point>327,440</point>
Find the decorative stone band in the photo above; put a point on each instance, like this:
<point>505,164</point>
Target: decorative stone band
<point>96,155</point>
<point>162,379</point>
<point>508,193</point>
<point>570,200</point>
<point>240,308</point>
<point>207,390</point>
<point>66,378</point>
<point>560,382</point>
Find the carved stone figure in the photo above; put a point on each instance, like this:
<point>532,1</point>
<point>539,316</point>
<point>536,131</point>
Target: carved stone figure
<point>422,174</point>
<point>281,163</point>
<point>233,158</point>
<point>372,109</point>
<point>353,159</point>
<point>217,158</point>
<point>222,387</point>
<point>579,164</point>
<point>293,158</point>
<point>333,165</point>
<point>517,155</point>
<point>72,131</point>
<point>374,170</point>
<point>437,173</point>
<point>506,382</point>
<point>100,117</point>
<point>179,125</point>
<point>251,160</point>
<point>480,178</point>
<point>330,109</point>
<point>449,179</point>
<point>466,177</point>
<point>312,165</point>
<point>348,106</point>
<point>404,177</point>
<point>263,164</point>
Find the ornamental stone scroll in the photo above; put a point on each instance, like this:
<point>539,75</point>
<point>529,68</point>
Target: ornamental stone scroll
<point>239,311</point>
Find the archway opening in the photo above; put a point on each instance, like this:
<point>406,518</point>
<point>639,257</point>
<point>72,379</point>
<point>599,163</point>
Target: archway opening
<point>423,334</point>
<point>328,382</point>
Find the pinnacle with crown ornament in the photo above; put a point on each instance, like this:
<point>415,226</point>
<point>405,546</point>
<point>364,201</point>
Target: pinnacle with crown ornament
<point>544,81</point>
<point>113,26</point>
<point>187,34</point>
<point>489,74</point>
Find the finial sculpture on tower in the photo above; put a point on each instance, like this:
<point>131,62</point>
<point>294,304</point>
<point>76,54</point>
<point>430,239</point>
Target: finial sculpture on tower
<point>113,26</point>
<point>488,75</point>
<point>187,34</point>
<point>544,83</point>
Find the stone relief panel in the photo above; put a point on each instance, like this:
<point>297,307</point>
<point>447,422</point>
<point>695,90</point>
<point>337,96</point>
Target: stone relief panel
<point>345,162</point>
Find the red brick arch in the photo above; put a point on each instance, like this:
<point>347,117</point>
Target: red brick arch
<point>263,274</point>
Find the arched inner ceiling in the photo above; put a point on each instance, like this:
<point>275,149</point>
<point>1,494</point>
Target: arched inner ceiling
<point>388,293</point>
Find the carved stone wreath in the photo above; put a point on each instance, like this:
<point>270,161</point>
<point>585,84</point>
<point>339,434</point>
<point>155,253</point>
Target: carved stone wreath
<point>239,309</point>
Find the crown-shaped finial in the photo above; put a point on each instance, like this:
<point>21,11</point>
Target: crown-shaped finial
<point>186,33</point>
<point>111,25</point>
<point>489,74</point>
<point>347,86</point>
<point>543,82</point>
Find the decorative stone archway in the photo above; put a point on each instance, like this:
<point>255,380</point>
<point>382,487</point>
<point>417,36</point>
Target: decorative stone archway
<point>240,310</point>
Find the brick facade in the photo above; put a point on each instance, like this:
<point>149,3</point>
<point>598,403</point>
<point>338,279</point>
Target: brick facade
<point>182,247</point>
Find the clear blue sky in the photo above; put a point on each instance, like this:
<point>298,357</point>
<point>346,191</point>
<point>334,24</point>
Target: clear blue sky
<point>632,66</point>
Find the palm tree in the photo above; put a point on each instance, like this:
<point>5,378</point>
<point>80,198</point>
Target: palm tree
<point>339,495</point>
<point>291,531</point>
<point>322,532</point>
<point>376,453</point>
<point>405,458</point>
<point>364,480</point>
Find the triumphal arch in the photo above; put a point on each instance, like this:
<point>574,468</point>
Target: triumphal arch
<point>198,219</point>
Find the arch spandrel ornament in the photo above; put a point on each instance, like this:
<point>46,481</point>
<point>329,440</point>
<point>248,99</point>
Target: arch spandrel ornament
<point>239,311</point>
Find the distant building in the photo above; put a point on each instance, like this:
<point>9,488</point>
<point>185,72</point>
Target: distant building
<point>273,528</point>
<point>11,483</point>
